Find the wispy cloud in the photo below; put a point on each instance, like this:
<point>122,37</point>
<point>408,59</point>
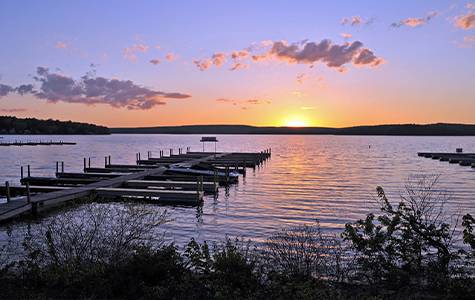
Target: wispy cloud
<point>217,59</point>
<point>61,45</point>
<point>170,56</point>
<point>21,90</point>
<point>13,110</point>
<point>356,21</point>
<point>238,66</point>
<point>242,103</point>
<point>154,61</point>
<point>466,21</point>
<point>346,35</point>
<point>467,42</point>
<point>5,90</point>
<point>130,53</point>
<point>415,22</point>
<point>301,77</point>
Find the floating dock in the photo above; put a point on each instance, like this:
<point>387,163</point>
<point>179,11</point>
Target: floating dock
<point>463,159</point>
<point>181,178</point>
<point>40,143</point>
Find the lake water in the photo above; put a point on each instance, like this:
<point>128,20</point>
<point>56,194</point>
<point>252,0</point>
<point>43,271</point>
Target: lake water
<point>330,178</point>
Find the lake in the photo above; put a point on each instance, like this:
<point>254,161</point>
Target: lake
<point>329,178</point>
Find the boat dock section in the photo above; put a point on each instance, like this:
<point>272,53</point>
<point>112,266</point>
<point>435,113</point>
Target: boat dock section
<point>39,143</point>
<point>463,159</point>
<point>174,179</point>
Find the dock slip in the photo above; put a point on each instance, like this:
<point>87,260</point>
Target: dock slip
<point>37,143</point>
<point>463,159</point>
<point>181,178</point>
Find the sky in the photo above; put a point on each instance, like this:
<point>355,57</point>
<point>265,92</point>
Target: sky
<point>265,63</point>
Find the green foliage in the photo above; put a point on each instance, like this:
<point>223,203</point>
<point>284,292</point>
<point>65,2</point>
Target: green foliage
<point>411,243</point>
<point>468,233</point>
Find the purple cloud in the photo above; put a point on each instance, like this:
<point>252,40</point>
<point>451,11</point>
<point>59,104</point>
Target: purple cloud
<point>303,52</point>
<point>91,90</point>
<point>5,90</point>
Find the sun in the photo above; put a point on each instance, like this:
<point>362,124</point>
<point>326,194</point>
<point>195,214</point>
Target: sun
<point>295,123</point>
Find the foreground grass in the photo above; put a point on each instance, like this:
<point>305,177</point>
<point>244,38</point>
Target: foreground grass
<point>404,251</point>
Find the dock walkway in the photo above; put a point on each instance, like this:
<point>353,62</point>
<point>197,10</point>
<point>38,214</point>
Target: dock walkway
<point>147,180</point>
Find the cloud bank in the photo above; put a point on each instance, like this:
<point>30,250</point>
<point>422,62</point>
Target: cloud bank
<point>90,90</point>
<point>305,52</point>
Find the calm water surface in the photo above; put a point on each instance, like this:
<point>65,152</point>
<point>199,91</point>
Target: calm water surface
<point>330,178</point>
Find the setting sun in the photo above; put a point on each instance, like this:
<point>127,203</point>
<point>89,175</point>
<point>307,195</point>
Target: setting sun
<point>296,123</point>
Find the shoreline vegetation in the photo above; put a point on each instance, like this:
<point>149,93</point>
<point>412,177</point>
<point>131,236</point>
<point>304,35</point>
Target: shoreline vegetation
<point>409,248</point>
<point>14,125</point>
<point>10,125</point>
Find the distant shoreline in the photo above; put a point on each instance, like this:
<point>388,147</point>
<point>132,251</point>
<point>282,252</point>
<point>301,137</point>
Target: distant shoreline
<point>30,126</point>
<point>439,129</point>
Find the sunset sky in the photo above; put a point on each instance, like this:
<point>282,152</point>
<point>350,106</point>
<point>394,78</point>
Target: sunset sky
<point>297,63</point>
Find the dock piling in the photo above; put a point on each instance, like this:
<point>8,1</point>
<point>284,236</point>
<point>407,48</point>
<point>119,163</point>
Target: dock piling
<point>28,195</point>
<point>7,187</point>
<point>62,167</point>
<point>89,162</point>
<point>21,172</point>
<point>28,172</point>
<point>84,164</point>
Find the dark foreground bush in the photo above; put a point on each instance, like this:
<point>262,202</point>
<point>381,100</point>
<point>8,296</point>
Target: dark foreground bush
<point>406,251</point>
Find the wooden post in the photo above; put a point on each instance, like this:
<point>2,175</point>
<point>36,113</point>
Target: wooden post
<point>84,163</point>
<point>215,179</point>
<point>105,161</point>
<point>28,170</point>
<point>62,167</point>
<point>244,168</point>
<point>171,152</point>
<point>89,162</point>
<point>21,172</point>
<point>109,159</point>
<point>7,187</point>
<point>57,166</point>
<point>227,174</point>
<point>28,195</point>
<point>197,188</point>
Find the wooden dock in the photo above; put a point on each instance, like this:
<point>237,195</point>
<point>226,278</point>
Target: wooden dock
<point>463,159</point>
<point>38,143</point>
<point>175,179</point>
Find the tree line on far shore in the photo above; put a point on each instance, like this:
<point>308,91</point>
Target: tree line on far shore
<point>14,125</point>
